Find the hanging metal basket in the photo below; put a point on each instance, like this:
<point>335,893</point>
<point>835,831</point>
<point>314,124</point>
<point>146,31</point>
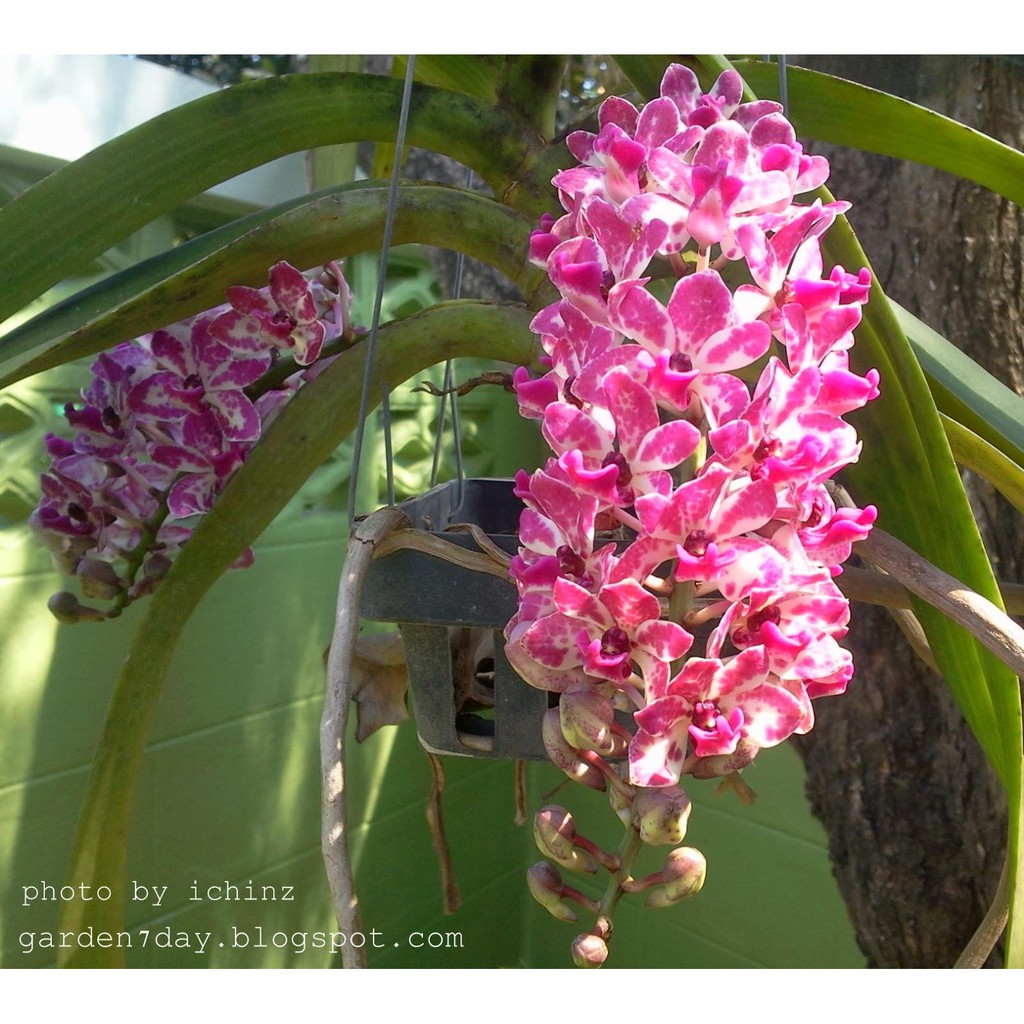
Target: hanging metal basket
<point>451,620</point>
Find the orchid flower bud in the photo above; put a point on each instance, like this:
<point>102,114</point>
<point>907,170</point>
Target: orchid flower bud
<point>66,608</point>
<point>157,566</point>
<point>99,579</point>
<point>684,873</point>
<point>563,756</point>
<point>587,717</point>
<point>661,815</point>
<point>546,886</point>
<point>589,950</point>
<point>622,804</point>
<point>555,835</point>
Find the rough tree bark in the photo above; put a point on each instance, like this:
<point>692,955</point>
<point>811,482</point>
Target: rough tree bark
<point>916,819</point>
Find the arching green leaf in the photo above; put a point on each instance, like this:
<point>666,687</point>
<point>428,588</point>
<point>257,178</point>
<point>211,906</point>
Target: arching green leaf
<point>84,208</point>
<point>334,224</point>
<point>966,391</point>
<point>976,454</point>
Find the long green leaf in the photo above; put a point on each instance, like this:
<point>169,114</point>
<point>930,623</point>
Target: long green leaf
<point>976,454</point>
<point>84,208</point>
<point>305,433</point>
<point>966,391</point>
<point>334,224</point>
<point>848,114</point>
<point>475,74</point>
<point>93,302</point>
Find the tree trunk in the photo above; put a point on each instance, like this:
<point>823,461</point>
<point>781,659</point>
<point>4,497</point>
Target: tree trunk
<point>916,819</point>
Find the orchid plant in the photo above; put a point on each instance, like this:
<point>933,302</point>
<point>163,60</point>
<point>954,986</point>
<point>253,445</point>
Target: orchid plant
<point>688,351</point>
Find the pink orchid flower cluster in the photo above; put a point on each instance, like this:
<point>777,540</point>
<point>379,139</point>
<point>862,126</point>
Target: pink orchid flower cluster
<point>698,374</point>
<point>167,420</point>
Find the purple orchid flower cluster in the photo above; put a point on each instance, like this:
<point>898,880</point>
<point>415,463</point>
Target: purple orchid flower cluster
<point>696,414</point>
<point>167,420</point>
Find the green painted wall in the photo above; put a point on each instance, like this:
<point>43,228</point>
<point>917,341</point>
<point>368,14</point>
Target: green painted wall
<point>229,793</point>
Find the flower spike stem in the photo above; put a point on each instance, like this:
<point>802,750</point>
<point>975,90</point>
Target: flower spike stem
<point>137,556</point>
<point>627,853</point>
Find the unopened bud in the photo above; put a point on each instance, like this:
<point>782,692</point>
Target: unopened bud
<point>589,950</point>
<point>157,566</point>
<point>545,884</point>
<point>622,804</point>
<point>99,579</point>
<point>563,756</point>
<point>555,835</point>
<point>661,815</point>
<point>683,874</point>
<point>587,717</point>
<point>66,608</point>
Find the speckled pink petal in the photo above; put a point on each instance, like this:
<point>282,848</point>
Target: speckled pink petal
<point>162,397</point>
<point>236,415</point>
<point>667,641</point>
<point>308,341</point>
<point>680,84</point>
<point>291,292</point>
<point>700,306</point>
<point>770,714</point>
<point>736,347</point>
<point>661,716</point>
<point>240,332</point>
<point>658,122</point>
<point>629,603</point>
<point>234,374</point>
<point>551,641</point>
<point>632,407</point>
<point>250,300</point>
<point>618,111</point>
<point>179,459</point>
<point>667,446</point>
<point>574,601</point>
<point>567,428</point>
<point>538,533</point>
<point>191,495</point>
<point>172,352</point>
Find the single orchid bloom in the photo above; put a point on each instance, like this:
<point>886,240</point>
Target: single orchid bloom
<point>286,318</point>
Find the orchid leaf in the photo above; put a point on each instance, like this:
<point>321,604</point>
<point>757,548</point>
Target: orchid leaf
<point>292,448</point>
<point>528,89</point>
<point>475,74</point>
<point>849,114</point>
<point>524,85</point>
<point>966,391</point>
<point>333,224</point>
<point>976,454</point>
<point>81,210</point>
